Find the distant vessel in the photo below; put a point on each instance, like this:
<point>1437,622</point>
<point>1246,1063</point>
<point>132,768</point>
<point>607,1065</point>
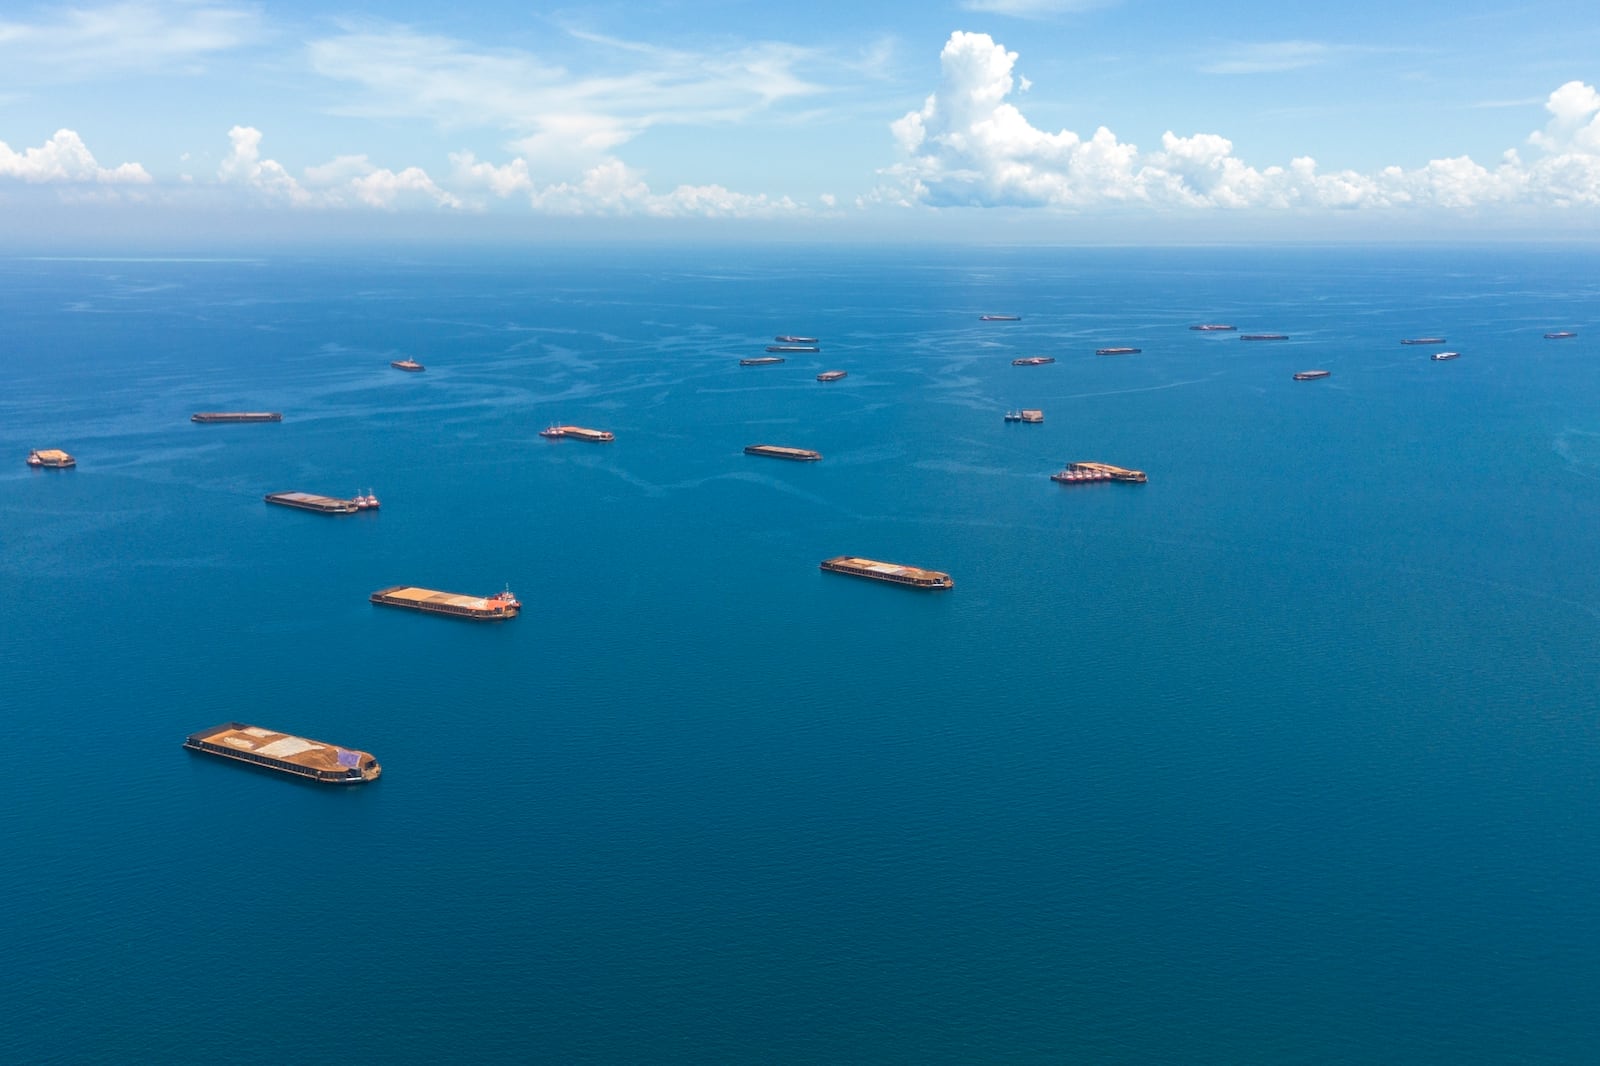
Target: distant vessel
<point>1559,335</point>
<point>1439,357</point>
<point>1423,340</point>
<point>308,501</point>
<point>1076,473</point>
<point>831,375</point>
<point>494,608</point>
<point>1263,336</point>
<point>1117,351</point>
<point>51,459</point>
<point>1311,375</point>
<point>793,348</point>
<point>408,364</point>
<point>1033,360</point>
<point>999,318</point>
<point>237,416</point>
<point>894,573</point>
<point>1027,414</point>
<point>594,436</point>
<point>795,340</point>
<point>1214,327</point>
<point>286,753</point>
<point>775,451</point>
<point>762,360</point>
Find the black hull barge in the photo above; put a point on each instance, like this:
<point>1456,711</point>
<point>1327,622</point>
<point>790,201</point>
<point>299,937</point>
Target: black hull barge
<point>268,749</point>
<point>893,573</point>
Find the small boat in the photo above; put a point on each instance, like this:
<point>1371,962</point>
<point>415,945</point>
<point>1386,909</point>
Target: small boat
<point>1311,375</point>
<point>831,375</point>
<point>795,340</point>
<point>409,365</point>
<point>1423,340</point>
<point>999,318</point>
<point>1033,360</point>
<point>1213,327</point>
<point>1439,357</point>
<point>1263,336</point>
<point>1117,351</point>
<point>1559,335</point>
<point>762,360</point>
<point>51,459</point>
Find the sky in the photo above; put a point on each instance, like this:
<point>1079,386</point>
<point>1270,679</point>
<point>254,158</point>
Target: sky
<point>1041,119</point>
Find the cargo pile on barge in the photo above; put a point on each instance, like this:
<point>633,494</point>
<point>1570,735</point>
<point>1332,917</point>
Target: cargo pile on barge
<point>237,416</point>
<point>1080,473</point>
<point>775,451</point>
<point>286,753</point>
<point>494,608</point>
<point>51,459</point>
<point>894,573</point>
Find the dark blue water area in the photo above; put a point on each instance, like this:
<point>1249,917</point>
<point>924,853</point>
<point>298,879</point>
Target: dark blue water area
<point>1289,755</point>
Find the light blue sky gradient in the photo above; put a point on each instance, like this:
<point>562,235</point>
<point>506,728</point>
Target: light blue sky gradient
<point>932,119</point>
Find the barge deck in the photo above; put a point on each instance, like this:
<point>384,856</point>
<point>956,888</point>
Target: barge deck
<point>494,608</point>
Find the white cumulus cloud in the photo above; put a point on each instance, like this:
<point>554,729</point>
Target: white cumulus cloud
<point>345,180</point>
<point>64,158</point>
<point>968,145</point>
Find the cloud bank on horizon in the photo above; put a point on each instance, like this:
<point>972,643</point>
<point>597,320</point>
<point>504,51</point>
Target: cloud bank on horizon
<point>969,146</point>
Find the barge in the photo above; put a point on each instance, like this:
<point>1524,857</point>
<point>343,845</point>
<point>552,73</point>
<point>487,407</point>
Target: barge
<point>496,608</point>
<point>999,318</point>
<point>1311,375</point>
<point>310,501</point>
<point>786,339</point>
<point>237,416</point>
<point>1263,336</point>
<point>51,459</point>
<point>894,573</point>
<point>1117,351</point>
<point>762,360</point>
<point>1033,360</point>
<point>1422,340</point>
<point>1081,473</point>
<point>594,436</point>
<point>1439,357</point>
<point>775,451</point>
<point>1559,335</point>
<point>793,348</point>
<point>1214,327</point>
<point>831,375</point>
<point>409,365</point>
<point>1027,414</point>
<point>286,753</point>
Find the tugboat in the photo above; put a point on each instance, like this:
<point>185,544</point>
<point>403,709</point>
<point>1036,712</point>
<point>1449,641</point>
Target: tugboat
<point>369,502</point>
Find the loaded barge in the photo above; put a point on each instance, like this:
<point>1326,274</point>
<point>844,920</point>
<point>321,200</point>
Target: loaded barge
<point>894,573</point>
<point>595,436</point>
<point>1033,360</point>
<point>1080,473</point>
<point>1117,351</point>
<point>494,608</point>
<point>237,416</point>
<point>1311,375</point>
<point>786,339</point>
<point>1214,327</point>
<point>1263,336</point>
<point>999,318</point>
<point>51,458</point>
<point>831,375</point>
<point>793,348</point>
<point>775,451</point>
<point>1422,340</point>
<point>286,753</point>
<point>1027,414</point>
<point>762,360</point>
<point>1559,335</point>
<point>408,365</point>
<point>310,501</point>
<point>1440,357</point>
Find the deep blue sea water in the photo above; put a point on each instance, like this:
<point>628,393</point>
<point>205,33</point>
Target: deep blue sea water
<point>1290,755</point>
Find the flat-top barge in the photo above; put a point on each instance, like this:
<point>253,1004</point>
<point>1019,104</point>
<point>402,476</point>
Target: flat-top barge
<point>831,375</point>
<point>51,459</point>
<point>1117,351</point>
<point>310,501</point>
<point>1311,375</point>
<point>1027,414</point>
<point>237,416</point>
<point>999,318</point>
<point>1263,336</point>
<point>793,348</point>
<point>786,339</point>
<point>1422,340</point>
<point>1214,327</point>
<point>1033,360</point>
<point>596,436</point>
<point>762,360</point>
<point>496,608</point>
<point>1559,335</point>
<point>409,365</point>
<point>775,451</point>
<point>894,573</point>
<point>286,753</point>
<point>1080,473</point>
<point>1440,357</point>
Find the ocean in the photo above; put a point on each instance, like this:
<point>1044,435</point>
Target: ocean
<point>1289,755</point>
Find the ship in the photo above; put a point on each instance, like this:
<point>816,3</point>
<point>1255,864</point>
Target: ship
<point>1263,336</point>
<point>595,436</point>
<point>1117,351</point>
<point>762,360</point>
<point>786,339</point>
<point>831,375</point>
<point>1027,414</point>
<point>775,451</point>
<point>894,573</point>
<point>1422,340</point>
<point>51,459</point>
<point>1081,473</point>
<point>1214,327</point>
<point>286,753</point>
<point>1559,335</point>
<point>408,364</point>
<point>999,318</point>
<point>1311,375</point>
<point>237,416</point>
<point>496,608</point>
<point>1439,357</point>
<point>1033,360</point>
<point>793,348</point>
<point>310,501</point>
